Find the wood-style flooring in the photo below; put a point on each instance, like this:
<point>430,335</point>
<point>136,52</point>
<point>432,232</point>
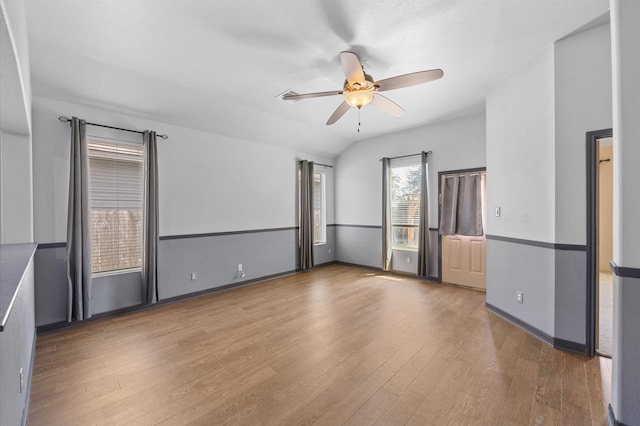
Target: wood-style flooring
<point>336,345</point>
<point>605,313</point>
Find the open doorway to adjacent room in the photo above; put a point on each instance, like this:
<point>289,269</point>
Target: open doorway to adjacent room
<point>600,163</point>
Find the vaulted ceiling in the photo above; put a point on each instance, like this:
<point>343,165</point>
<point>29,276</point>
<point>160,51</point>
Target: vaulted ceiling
<point>218,66</point>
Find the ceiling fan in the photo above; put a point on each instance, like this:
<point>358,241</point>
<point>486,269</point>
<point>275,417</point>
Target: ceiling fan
<point>360,89</point>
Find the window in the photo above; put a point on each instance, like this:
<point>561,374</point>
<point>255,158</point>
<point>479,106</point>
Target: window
<point>405,206</point>
<point>319,208</point>
<point>116,198</point>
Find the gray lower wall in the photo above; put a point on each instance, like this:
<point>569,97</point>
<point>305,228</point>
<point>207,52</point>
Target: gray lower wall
<point>111,292</point>
<point>50,285</point>
<point>405,261</point>
<point>626,350</point>
<point>515,267</point>
<point>362,245</point>
<point>553,282</point>
<point>213,257</point>
<point>16,351</point>
<point>571,295</point>
<point>326,253</point>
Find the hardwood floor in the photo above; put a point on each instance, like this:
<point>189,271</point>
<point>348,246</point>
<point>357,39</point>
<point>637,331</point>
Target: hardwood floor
<point>336,345</point>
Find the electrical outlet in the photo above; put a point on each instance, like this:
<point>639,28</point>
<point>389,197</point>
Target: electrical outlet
<point>240,272</point>
<point>329,251</point>
<point>408,260</point>
<point>194,276</point>
<point>519,296</point>
<point>498,211</point>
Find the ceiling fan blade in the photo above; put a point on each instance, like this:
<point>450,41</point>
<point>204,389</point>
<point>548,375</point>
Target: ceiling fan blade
<point>336,16</point>
<point>386,105</point>
<point>351,66</point>
<point>408,80</point>
<point>338,113</point>
<point>310,95</point>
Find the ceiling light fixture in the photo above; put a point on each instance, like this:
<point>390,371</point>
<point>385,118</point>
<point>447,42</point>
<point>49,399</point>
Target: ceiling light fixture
<point>358,98</point>
<point>359,93</point>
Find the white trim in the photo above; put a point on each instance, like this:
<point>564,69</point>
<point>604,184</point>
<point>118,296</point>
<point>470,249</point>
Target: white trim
<point>116,272</point>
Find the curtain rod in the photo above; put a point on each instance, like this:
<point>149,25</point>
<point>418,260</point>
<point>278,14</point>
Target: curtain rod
<point>403,156</point>
<point>64,119</point>
<point>320,164</point>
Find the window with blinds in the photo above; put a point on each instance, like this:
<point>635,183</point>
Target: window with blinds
<point>319,208</point>
<point>405,206</point>
<point>116,199</point>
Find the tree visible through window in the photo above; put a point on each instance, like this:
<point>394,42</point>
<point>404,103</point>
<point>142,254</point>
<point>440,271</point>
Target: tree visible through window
<point>405,206</point>
<point>116,198</point>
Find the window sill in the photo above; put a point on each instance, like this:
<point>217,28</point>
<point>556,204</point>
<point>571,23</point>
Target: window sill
<point>118,272</point>
<point>323,243</point>
<point>404,249</point>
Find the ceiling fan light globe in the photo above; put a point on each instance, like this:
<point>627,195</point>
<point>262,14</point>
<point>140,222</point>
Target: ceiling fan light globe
<point>358,98</point>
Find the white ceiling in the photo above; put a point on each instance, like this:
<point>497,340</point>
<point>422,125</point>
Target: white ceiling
<point>218,66</point>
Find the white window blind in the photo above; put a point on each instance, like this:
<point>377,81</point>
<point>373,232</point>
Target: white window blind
<point>405,206</point>
<point>319,208</point>
<point>116,197</point>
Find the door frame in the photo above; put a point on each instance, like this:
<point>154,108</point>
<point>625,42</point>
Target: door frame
<point>592,233</point>
<point>449,172</point>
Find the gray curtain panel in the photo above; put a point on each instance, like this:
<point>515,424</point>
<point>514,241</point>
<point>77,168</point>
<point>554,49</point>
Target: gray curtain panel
<point>469,214</point>
<point>423,230</point>
<point>306,215</point>
<point>449,205</point>
<point>150,214</point>
<point>387,251</point>
<point>78,226</point>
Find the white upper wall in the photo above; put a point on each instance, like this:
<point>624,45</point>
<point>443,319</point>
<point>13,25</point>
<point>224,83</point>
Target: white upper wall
<point>521,152</point>
<point>16,197</point>
<point>16,200</point>
<point>583,103</point>
<point>626,135</point>
<point>15,77</point>
<point>208,183</point>
<point>455,144</point>
<point>537,119</point>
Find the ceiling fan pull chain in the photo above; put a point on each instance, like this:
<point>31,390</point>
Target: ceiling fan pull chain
<point>358,120</point>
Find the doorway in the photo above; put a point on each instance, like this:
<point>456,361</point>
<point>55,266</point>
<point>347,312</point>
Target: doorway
<point>462,258</point>
<point>600,163</point>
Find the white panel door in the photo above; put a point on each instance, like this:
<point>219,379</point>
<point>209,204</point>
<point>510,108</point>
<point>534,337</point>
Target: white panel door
<point>463,260</point>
